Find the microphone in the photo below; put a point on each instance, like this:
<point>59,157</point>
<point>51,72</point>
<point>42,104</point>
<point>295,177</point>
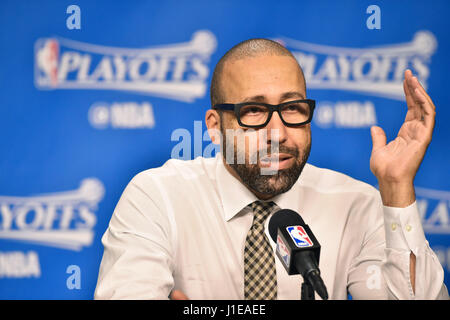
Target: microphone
<point>297,248</point>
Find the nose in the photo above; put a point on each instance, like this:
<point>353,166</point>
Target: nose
<point>276,130</point>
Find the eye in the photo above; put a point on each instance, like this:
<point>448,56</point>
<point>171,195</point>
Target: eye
<point>299,108</point>
<point>292,107</point>
<point>252,110</point>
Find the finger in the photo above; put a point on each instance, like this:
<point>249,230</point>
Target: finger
<point>422,99</point>
<point>378,138</point>
<point>408,75</point>
<point>413,83</point>
<point>178,295</point>
<point>408,95</point>
<point>422,90</point>
<point>428,115</point>
<point>417,96</point>
<point>413,109</point>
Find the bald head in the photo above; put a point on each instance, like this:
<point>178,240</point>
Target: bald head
<point>246,49</point>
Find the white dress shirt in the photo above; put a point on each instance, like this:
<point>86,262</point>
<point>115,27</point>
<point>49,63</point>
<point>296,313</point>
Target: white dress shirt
<point>183,226</point>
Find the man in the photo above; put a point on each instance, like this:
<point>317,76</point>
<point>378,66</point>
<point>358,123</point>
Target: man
<point>198,229</point>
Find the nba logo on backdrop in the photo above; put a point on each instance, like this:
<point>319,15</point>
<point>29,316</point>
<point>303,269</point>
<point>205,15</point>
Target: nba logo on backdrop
<point>299,236</point>
<point>376,71</point>
<point>177,71</point>
<point>47,60</point>
<point>434,209</point>
<point>62,219</point>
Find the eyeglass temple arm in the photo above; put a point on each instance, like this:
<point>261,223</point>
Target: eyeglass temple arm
<point>224,106</point>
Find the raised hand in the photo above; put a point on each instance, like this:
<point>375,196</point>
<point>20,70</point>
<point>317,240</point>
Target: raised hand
<point>395,164</point>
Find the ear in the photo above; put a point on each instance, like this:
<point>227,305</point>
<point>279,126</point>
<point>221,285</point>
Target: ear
<point>212,120</point>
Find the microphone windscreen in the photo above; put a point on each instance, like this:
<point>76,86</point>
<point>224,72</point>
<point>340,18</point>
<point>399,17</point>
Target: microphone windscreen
<point>283,217</point>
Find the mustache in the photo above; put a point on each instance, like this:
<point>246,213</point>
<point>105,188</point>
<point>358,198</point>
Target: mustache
<point>280,149</point>
<point>255,157</point>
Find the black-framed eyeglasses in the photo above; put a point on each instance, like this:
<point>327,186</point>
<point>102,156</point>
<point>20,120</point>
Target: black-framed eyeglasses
<point>257,114</point>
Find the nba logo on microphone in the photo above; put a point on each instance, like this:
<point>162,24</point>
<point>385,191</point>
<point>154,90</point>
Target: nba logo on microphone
<point>299,236</point>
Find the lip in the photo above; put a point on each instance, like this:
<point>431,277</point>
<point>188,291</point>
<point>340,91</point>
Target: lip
<point>279,161</point>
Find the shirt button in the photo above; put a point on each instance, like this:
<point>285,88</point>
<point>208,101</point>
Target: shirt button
<point>393,226</point>
<point>408,228</point>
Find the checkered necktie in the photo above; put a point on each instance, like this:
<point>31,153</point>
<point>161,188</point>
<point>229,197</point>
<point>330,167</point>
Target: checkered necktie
<point>260,277</point>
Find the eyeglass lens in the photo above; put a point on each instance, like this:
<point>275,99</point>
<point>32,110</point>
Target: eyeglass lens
<point>292,113</point>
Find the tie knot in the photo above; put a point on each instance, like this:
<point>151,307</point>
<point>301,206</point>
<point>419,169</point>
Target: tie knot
<point>262,210</point>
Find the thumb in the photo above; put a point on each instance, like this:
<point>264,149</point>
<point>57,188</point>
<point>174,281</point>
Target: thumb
<point>378,138</point>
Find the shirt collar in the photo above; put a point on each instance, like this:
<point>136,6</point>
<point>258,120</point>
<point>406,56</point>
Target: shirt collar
<point>235,196</point>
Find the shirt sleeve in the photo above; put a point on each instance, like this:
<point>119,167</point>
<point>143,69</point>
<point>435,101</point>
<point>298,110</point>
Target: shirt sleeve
<point>405,235</point>
<point>381,270</point>
<point>137,261</point>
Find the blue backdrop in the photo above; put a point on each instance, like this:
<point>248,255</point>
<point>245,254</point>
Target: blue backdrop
<point>93,94</point>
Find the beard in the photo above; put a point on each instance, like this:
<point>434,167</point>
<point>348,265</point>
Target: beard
<point>278,181</point>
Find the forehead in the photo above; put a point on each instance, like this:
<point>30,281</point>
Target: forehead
<point>269,76</point>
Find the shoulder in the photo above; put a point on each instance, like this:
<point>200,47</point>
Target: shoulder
<point>352,202</point>
<point>176,173</point>
<point>330,181</point>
